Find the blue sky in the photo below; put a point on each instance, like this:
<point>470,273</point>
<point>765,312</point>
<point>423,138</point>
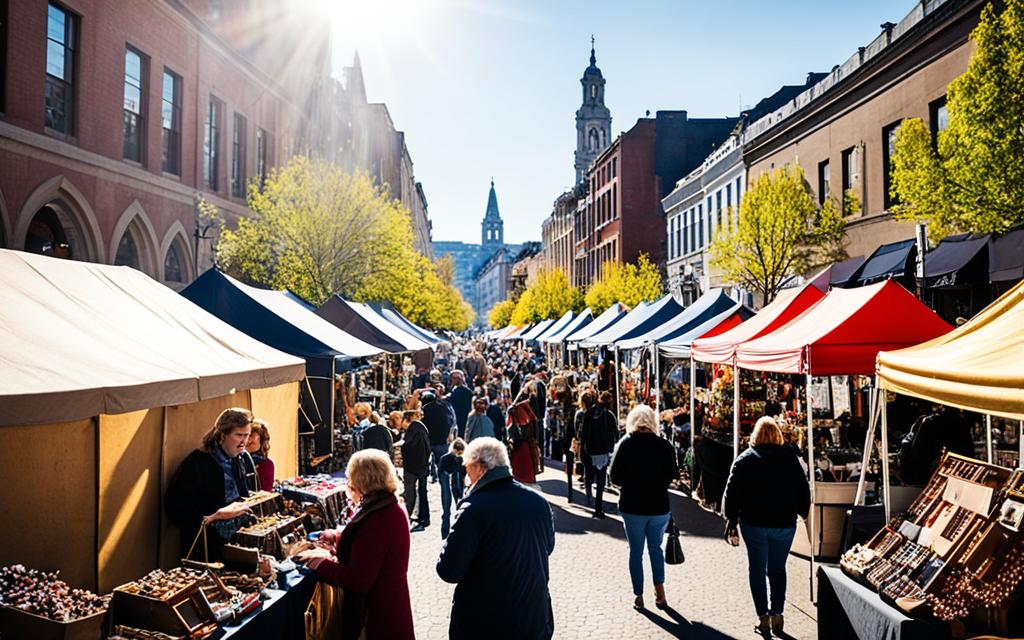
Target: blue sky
<point>485,88</point>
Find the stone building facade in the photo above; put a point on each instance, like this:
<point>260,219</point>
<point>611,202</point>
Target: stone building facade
<point>841,129</point>
<point>558,236</point>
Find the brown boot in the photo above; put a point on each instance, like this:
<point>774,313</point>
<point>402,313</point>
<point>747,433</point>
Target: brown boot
<point>638,602</point>
<point>764,625</point>
<point>777,624</point>
<point>659,595</point>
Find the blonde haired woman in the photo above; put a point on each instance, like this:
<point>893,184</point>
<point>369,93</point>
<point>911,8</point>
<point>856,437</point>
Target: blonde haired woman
<point>371,558</point>
<point>766,491</point>
<point>644,464</point>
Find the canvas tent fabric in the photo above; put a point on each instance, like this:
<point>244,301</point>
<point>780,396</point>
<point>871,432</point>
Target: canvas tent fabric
<point>580,321</point>
<point>893,260</point>
<point>637,322</point>
<point>679,346</point>
<point>607,318</point>
<point>952,255</point>
<point>788,304</point>
<point>537,329</point>
<point>703,308</point>
<point>82,339</point>
<point>1006,256</point>
<point>556,326</point>
<point>838,274</point>
<point>361,322</point>
<point>843,333</point>
<point>976,366</point>
<point>518,333</point>
<point>390,313</point>
<point>277,318</point>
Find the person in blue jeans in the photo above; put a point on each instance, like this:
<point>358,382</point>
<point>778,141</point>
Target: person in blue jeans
<point>451,475</point>
<point>766,491</point>
<point>643,466</point>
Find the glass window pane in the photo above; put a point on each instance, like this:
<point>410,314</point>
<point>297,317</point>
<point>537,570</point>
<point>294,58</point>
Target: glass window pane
<point>55,24</point>
<point>132,98</point>
<point>127,253</point>
<point>55,59</point>
<point>132,66</point>
<point>942,116</point>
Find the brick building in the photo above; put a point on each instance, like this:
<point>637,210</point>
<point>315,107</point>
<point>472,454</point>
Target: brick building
<point>115,117</point>
<point>623,216</point>
<point>558,230</point>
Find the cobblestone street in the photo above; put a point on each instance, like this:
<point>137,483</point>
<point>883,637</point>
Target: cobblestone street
<point>590,589</point>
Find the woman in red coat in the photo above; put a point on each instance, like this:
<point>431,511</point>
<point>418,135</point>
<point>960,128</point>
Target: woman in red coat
<point>371,559</point>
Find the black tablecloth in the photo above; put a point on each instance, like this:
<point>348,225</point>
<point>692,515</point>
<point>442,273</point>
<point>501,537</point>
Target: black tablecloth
<point>281,616</point>
<point>848,610</point>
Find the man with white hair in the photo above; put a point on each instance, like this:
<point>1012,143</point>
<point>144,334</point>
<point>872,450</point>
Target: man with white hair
<point>497,552</point>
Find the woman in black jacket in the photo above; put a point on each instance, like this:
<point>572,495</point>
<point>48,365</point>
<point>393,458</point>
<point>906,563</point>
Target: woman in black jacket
<point>597,441</point>
<point>766,491</point>
<point>643,466</point>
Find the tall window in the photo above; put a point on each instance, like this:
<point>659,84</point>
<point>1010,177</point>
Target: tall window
<point>261,155</point>
<point>170,115</point>
<point>700,228</point>
<point>133,92</point>
<point>238,157</point>
<point>60,70</point>
<point>211,144</point>
<point>888,151</point>
<point>615,167</point>
<point>823,187</point>
<point>3,54</point>
<point>718,210</point>
<point>679,235</point>
<point>849,171</point>
<point>938,117</point>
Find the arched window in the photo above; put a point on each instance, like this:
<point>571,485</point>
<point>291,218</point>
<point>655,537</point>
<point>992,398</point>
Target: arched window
<point>47,235</point>
<point>172,265</point>
<point>127,251</point>
<point>593,91</point>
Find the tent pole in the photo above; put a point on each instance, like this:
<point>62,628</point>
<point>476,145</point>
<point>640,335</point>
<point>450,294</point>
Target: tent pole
<point>884,410</point>
<point>735,409</point>
<point>869,443</point>
<point>618,406</point>
<point>693,422</point>
<point>988,437</point>
<point>657,379</point>
<point>812,469</point>
<point>1020,445</point>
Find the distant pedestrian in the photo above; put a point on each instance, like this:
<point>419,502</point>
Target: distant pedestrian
<point>767,489</point>
<point>643,466</point>
<point>478,424</point>
<point>451,475</point>
<point>461,399</point>
<point>497,553</point>
<point>378,436</point>
<point>415,466</point>
<point>598,435</point>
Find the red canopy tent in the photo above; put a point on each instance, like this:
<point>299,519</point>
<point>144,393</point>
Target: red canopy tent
<point>842,334</point>
<point>789,304</point>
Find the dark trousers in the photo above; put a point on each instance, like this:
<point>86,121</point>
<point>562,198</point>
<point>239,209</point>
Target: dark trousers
<point>451,492</point>
<point>767,551</point>
<point>570,464</point>
<point>412,484</point>
<point>593,475</point>
<point>436,451</point>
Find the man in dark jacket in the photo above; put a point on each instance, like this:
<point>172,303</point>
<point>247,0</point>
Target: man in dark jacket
<point>461,399</point>
<point>415,464</point>
<point>497,553</point>
<point>437,421</point>
<point>598,435</point>
<point>378,436</point>
<point>497,416</point>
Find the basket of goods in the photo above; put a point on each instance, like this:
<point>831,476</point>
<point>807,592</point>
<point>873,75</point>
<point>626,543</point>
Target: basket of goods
<point>38,604</point>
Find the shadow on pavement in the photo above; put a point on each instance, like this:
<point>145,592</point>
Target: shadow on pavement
<point>695,521</point>
<point>574,523</point>
<point>680,627</point>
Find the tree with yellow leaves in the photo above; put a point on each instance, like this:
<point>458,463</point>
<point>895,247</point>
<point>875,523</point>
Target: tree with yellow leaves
<point>629,284</point>
<point>501,313</point>
<point>318,231</point>
<point>547,298</point>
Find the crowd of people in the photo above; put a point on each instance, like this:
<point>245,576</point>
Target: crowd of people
<point>483,423</point>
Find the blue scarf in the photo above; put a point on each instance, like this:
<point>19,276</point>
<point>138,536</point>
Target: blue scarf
<point>234,486</point>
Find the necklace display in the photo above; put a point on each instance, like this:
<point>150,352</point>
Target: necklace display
<point>45,594</point>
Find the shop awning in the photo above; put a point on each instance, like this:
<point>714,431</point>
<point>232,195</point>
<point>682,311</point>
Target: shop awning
<point>789,304</point>
<point>843,333</point>
<point>362,322</point>
<point>607,318</point>
<point>637,322</point>
<point>709,305</point>
<point>557,325</point>
<point>391,314</point>
<point>1006,256</point>
<point>838,274</point>
<point>82,339</point>
<point>679,346</point>
<point>515,335</point>
<point>577,323</point>
<point>978,366</point>
<point>893,260</point>
<point>943,264</point>
<point>501,334</point>
<point>537,329</point>
<point>276,318</point>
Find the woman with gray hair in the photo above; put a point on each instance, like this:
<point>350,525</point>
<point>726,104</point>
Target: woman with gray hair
<point>497,551</point>
<point>644,464</point>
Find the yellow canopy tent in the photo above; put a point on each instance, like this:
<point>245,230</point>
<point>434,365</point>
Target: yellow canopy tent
<point>978,366</point>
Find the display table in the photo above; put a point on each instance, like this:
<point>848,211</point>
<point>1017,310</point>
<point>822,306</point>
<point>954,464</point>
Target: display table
<point>848,610</point>
<point>281,616</point>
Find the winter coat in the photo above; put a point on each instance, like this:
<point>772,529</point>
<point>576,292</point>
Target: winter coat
<point>416,449</point>
<point>436,419</point>
<point>643,466</point>
<point>767,487</point>
<point>378,437</point>
<point>497,555</point>
<point>479,426</point>
<point>461,400</point>
<point>599,431</point>
<point>497,419</point>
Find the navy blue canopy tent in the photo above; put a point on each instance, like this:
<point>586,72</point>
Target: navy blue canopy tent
<point>391,314</point>
<point>353,318</point>
<point>282,321</point>
<point>708,306</point>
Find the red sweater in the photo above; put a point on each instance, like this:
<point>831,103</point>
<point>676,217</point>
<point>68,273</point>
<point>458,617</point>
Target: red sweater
<point>379,566</point>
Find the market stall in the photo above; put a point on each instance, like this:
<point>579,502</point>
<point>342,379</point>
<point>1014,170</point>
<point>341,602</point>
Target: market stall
<point>283,321</point>
<point>535,331</point>
<point>391,314</point>
<point>109,378</point>
<point>554,341</point>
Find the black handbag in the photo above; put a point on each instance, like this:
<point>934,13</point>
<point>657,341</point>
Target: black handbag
<point>673,548</point>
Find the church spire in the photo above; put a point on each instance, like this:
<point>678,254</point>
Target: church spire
<point>593,119</point>
<point>492,227</point>
<point>593,58</point>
